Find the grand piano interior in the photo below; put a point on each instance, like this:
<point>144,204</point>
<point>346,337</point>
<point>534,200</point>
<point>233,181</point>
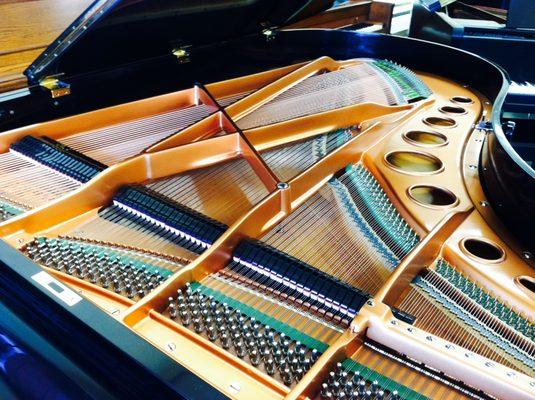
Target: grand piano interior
<point>248,211</point>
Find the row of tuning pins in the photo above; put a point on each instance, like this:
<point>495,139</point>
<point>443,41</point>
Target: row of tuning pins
<point>344,385</point>
<point>244,335</point>
<point>89,264</point>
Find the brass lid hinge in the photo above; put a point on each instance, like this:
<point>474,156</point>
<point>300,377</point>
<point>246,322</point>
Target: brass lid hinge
<point>56,87</point>
<point>182,54</point>
<point>269,33</point>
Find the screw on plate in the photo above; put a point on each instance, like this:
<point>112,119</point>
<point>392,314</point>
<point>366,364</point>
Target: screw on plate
<point>171,346</point>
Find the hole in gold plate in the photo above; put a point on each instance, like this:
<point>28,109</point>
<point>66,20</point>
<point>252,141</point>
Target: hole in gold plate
<point>432,196</point>
<point>440,122</point>
<point>413,162</point>
<point>426,138</point>
<point>455,110</point>
<point>462,100</point>
<point>483,249</point>
<point>527,283</point>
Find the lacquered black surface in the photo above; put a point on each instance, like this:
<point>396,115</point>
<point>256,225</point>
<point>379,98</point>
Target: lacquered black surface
<point>511,49</point>
<point>109,360</point>
<point>112,33</point>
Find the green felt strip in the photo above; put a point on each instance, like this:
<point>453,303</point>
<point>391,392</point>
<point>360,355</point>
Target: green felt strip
<point>385,383</point>
<point>485,300</point>
<point>111,253</point>
<point>281,327</point>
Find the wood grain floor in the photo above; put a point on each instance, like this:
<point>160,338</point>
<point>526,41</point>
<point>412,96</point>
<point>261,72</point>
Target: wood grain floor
<point>26,28</point>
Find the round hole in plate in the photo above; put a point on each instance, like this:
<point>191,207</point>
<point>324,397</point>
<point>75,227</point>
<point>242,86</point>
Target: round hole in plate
<point>482,250</point>
<point>526,283</point>
<point>440,122</point>
<point>425,138</point>
<point>454,110</point>
<point>461,100</point>
<point>432,196</point>
<point>413,162</point>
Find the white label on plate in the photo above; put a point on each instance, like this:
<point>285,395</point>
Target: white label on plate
<point>57,288</point>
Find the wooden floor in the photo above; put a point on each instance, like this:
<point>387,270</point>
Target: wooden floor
<point>26,28</point>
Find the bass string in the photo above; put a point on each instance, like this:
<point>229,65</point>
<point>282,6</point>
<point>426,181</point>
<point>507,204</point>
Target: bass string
<point>317,233</point>
<point>114,225</point>
<point>201,190</point>
<point>323,92</point>
<point>433,318</point>
<point>483,317</point>
<point>368,214</point>
<point>281,311</point>
<point>290,160</point>
<point>30,184</point>
<point>117,142</point>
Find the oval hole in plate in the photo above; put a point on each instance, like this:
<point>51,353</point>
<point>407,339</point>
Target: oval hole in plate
<point>413,162</point>
<point>433,196</point>
<point>425,138</point>
<point>461,100</point>
<point>483,250</point>
<point>440,122</point>
<point>454,110</point>
<point>527,283</point>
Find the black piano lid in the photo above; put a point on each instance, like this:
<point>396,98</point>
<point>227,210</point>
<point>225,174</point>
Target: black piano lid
<point>110,33</point>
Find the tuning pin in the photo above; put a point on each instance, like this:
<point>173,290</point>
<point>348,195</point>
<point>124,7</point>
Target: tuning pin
<point>185,318</point>
<point>394,395</point>
<point>374,386</point>
<point>212,333</point>
<point>240,349</point>
<point>332,378</point>
<point>362,387</point>
<point>306,364</point>
<point>129,291</point>
<point>287,376</point>
<point>172,308</point>
<point>326,393</point>
<point>254,357</point>
<point>225,341</point>
<point>270,366</point>
<point>198,325</point>
<point>348,386</point>
<point>336,388</point>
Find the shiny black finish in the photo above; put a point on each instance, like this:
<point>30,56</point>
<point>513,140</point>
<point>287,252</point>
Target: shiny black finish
<point>106,358</point>
<point>512,49</point>
<point>112,33</point>
<point>250,54</point>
